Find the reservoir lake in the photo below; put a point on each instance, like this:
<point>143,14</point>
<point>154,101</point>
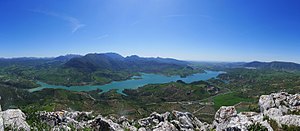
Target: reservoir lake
<point>135,82</point>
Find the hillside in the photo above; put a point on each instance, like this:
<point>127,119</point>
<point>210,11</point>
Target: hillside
<point>89,69</point>
<point>116,62</point>
<point>275,65</point>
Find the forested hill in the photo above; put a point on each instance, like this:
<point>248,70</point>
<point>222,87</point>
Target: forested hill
<point>89,69</point>
<point>35,61</point>
<point>275,65</point>
<point>116,62</point>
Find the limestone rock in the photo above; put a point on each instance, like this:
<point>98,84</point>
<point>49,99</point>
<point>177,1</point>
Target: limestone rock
<point>266,102</point>
<point>15,119</point>
<point>61,127</point>
<point>1,123</point>
<point>165,126</point>
<point>267,125</point>
<point>153,119</point>
<point>276,106</point>
<point>1,119</point>
<point>273,112</point>
<point>294,100</point>
<point>225,112</point>
<point>283,103</point>
<point>186,121</point>
<point>223,118</point>
<point>142,129</point>
<point>126,124</point>
<point>290,120</point>
<point>0,105</point>
<point>227,118</point>
<point>105,124</point>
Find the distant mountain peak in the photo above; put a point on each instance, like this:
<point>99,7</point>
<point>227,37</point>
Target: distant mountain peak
<point>66,57</point>
<point>114,61</point>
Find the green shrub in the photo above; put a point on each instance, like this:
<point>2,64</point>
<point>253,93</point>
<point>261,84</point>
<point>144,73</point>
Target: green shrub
<point>257,127</point>
<point>290,128</point>
<point>274,124</point>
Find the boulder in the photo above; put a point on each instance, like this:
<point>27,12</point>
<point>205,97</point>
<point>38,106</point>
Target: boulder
<point>126,124</point>
<point>153,119</point>
<point>101,123</point>
<point>61,128</point>
<point>1,119</point>
<point>223,117</point>
<point>266,102</point>
<point>227,119</point>
<point>1,123</point>
<point>15,119</point>
<point>294,100</point>
<point>277,105</point>
<point>0,105</point>
<point>186,121</point>
<point>279,98</point>
<point>164,126</point>
<point>224,113</point>
<point>142,129</point>
<point>273,113</point>
<point>267,125</point>
<point>57,119</point>
<point>290,120</point>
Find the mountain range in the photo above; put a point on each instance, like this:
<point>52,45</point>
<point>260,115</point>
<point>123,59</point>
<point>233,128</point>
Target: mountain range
<point>275,65</point>
<point>93,68</point>
<point>116,62</point>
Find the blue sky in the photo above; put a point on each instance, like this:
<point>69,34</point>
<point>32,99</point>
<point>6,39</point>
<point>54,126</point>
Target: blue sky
<point>213,30</point>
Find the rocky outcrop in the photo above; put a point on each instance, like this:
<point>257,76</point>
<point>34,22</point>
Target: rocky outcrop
<point>64,118</point>
<point>177,121</point>
<point>227,118</point>
<point>186,121</point>
<point>153,119</point>
<point>80,120</point>
<point>14,119</point>
<point>101,123</point>
<point>1,119</point>
<point>276,106</point>
<point>283,108</point>
<point>126,124</point>
<point>280,107</point>
<point>1,124</point>
<point>156,122</point>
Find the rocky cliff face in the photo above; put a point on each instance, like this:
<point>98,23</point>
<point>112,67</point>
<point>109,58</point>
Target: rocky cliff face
<point>281,109</point>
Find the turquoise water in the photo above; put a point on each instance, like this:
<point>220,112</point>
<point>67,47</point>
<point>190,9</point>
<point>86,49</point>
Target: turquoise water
<point>133,83</point>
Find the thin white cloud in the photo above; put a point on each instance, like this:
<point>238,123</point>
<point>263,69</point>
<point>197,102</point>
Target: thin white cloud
<point>102,36</point>
<point>74,23</point>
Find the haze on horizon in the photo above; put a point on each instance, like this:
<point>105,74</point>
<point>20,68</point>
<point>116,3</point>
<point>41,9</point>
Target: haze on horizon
<point>204,30</point>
